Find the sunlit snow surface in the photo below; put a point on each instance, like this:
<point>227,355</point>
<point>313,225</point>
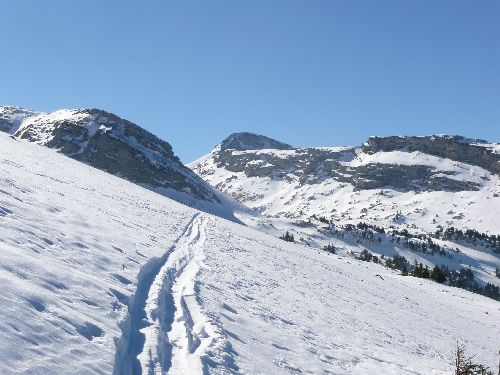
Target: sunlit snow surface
<point>287,204</point>
<point>76,244</point>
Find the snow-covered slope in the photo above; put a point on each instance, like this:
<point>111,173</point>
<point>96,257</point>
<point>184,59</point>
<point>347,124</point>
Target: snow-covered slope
<point>119,147</point>
<point>417,184</point>
<point>101,276</point>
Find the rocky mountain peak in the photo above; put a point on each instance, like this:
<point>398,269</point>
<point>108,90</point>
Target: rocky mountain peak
<point>74,131</point>
<point>250,141</point>
<point>117,146</point>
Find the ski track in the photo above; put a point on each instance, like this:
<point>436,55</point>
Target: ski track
<point>177,333</point>
<point>72,238</point>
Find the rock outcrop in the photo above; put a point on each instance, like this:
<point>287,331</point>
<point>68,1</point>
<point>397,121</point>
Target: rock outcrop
<point>112,144</point>
<point>470,151</point>
<point>12,117</point>
<point>250,141</point>
<point>315,165</point>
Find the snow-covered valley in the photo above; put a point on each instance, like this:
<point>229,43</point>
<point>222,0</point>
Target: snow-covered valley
<point>102,276</point>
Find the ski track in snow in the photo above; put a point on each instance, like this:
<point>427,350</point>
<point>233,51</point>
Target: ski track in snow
<point>176,333</point>
<point>86,256</point>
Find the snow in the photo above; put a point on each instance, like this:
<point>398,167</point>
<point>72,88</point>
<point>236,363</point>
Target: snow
<point>284,203</point>
<point>100,275</point>
<point>272,196</point>
<point>42,128</point>
<point>16,116</point>
<point>495,147</point>
<point>44,119</point>
<point>282,154</point>
<point>460,171</point>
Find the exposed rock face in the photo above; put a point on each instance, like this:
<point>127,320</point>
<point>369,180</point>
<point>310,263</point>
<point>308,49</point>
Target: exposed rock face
<point>406,178</point>
<point>308,165</point>
<point>393,186</point>
<point>11,118</point>
<point>470,151</point>
<point>315,165</point>
<point>107,142</point>
<point>250,141</point>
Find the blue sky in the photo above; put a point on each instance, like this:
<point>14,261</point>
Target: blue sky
<point>309,73</point>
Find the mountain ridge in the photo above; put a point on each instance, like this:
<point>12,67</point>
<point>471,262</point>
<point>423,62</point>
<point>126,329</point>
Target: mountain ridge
<point>455,147</point>
<point>115,145</point>
<point>405,187</point>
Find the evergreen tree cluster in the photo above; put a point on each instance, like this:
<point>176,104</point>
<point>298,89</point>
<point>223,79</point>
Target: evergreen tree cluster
<point>398,262</point>
<point>418,242</point>
<point>463,278</point>
<point>287,237</point>
<point>420,271</point>
<point>439,274</point>
<point>471,236</point>
<point>424,243</point>
<point>330,249</point>
<point>365,256</point>
<point>492,291</point>
<point>373,233</point>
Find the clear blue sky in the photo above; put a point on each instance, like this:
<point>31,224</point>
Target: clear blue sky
<point>309,73</point>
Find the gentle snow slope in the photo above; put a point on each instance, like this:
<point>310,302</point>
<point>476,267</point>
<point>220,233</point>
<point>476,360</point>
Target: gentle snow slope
<point>99,276</point>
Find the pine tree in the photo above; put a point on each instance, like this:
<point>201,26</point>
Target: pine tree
<point>330,248</point>
<point>287,237</point>
<point>438,275</point>
<point>465,366</point>
<point>426,273</point>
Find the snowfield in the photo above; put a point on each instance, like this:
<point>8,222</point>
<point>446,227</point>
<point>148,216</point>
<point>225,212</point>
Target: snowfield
<point>289,203</point>
<point>101,276</point>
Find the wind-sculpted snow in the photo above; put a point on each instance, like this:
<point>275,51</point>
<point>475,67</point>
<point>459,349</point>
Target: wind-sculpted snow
<point>97,272</point>
<point>292,309</point>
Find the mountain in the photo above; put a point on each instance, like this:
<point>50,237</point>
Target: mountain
<point>102,276</point>
<point>301,182</point>
<point>438,196</point>
<point>117,146</point>
<point>249,141</point>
